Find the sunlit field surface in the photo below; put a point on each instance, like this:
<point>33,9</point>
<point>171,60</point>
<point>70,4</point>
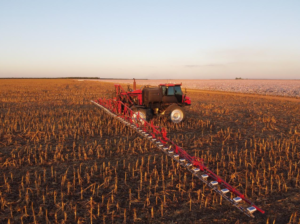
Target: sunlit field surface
<point>290,88</point>
<point>64,160</point>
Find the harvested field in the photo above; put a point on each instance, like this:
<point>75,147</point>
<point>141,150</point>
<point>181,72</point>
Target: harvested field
<point>290,88</point>
<point>63,160</point>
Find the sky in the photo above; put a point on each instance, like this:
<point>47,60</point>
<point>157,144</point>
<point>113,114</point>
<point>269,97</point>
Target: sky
<point>164,39</point>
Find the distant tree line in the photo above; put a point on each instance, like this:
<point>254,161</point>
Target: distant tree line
<point>65,78</point>
<point>50,78</point>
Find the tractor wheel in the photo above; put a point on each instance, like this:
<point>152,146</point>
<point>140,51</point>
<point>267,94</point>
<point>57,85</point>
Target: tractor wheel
<point>141,112</point>
<point>176,114</point>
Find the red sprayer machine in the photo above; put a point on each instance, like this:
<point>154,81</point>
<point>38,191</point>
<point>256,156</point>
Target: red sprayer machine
<point>135,108</point>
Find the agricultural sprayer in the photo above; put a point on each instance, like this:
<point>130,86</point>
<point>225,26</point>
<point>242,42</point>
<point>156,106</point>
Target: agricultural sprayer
<point>164,100</point>
<point>134,109</point>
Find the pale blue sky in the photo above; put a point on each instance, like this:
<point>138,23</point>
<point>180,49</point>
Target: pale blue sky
<point>204,39</point>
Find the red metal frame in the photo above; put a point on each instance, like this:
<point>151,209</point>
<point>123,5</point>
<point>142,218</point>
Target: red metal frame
<point>161,135</point>
<point>124,96</point>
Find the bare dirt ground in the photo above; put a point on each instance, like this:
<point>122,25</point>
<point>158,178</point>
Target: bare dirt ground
<point>289,88</point>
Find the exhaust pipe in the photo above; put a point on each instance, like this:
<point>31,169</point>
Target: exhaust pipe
<point>134,84</point>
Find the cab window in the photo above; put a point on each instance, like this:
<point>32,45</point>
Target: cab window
<point>164,90</point>
<point>171,91</point>
<point>178,90</point>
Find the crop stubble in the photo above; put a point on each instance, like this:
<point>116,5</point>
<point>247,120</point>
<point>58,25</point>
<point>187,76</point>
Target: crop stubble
<point>64,160</point>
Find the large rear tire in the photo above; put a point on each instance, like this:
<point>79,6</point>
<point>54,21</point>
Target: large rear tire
<point>176,114</point>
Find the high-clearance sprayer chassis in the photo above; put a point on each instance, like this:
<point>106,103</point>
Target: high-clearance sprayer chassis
<point>166,99</point>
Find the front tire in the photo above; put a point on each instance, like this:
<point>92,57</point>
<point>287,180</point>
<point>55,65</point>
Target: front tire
<point>177,115</point>
<point>142,114</point>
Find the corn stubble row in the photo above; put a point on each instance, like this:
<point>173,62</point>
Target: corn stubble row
<point>65,161</point>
